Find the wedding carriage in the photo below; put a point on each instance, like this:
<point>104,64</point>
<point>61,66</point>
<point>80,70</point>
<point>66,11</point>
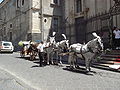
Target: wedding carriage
<point>28,48</point>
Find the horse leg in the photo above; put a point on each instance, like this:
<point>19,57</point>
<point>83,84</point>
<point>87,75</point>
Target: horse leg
<point>51,58</point>
<point>31,58</point>
<point>57,57</point>
<point>48,58</point>
<point>74,61</point>
<point>71,60</point>
<point>87,64</point>
<point>76,65</point>
<point>60,60</point>
<point>90,61</point>
<point>45,58</point>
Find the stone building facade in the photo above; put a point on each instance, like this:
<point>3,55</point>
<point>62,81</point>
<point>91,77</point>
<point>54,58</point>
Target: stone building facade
<point>29,19</point>
<point>37,19</point>
<point>87,16</point>
<point>15,17</point>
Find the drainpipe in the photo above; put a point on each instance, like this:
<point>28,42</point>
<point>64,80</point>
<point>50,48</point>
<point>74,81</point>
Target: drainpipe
<point>41,20</point>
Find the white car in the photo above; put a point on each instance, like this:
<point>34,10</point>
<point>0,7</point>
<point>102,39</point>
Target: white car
<point>6,46</point>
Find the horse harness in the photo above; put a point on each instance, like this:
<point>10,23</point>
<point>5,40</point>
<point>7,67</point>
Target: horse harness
<point>89,50</point>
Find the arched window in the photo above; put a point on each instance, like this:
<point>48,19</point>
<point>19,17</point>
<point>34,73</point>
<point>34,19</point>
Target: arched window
<point>78,6</point>
<point>55,23</point>
<point>17,3</point>
<point>11,25</point>
<point>10,38</point>
<point>22,2</point>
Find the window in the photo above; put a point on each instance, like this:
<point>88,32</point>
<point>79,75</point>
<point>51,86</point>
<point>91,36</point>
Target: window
<point>56,2</point>
<point>6,44</point>
<point>11,25</point>
<point>10,36</point>
<point>55,24</point>
<point>22,2</point>
<point>78,6</point>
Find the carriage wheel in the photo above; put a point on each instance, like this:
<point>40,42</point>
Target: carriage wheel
<point>22,54</point>
<point>32,56</point>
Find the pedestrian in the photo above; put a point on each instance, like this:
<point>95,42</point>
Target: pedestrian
<point>40,48</point>
<point>116,39</point>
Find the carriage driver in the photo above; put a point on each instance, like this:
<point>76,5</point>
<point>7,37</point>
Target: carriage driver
<point>41,52</point>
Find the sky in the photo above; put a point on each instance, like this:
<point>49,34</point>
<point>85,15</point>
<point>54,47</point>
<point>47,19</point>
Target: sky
<point>1,1</point>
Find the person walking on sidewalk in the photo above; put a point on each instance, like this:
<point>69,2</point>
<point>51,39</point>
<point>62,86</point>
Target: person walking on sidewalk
<point>41,53</point>
<point>116,33</point>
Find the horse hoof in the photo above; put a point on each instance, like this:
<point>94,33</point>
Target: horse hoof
<point>89,69</point>
<point>48,63</point>
<point>77,67</point>
<point>71,68</point>
<point>52,63</point>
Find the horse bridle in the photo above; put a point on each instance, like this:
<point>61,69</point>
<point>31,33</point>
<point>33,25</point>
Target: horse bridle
<point>97,49</point>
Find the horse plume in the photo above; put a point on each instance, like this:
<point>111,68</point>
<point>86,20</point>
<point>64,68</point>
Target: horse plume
<point>54,33</point>
<point>95,35</point>
<point>64,36</point>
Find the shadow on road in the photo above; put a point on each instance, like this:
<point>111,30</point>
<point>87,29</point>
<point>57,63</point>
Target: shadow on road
<point>35,66</point>
<point>79,70</point>
<point>27,58</point>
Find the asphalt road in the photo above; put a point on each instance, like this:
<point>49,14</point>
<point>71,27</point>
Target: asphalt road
<point>9,82</point>
<point>56,77</point>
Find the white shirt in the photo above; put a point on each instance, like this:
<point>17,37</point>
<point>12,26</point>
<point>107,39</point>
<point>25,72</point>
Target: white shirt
<point>117,34</point>
<point>40,47</point>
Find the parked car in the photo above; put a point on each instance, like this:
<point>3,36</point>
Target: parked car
<point>6,46</point>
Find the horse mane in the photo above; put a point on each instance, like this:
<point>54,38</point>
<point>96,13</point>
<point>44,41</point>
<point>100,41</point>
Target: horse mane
<point>91,42</point>
<point>60,43</point>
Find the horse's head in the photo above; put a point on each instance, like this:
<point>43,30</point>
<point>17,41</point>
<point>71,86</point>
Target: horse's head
<point>52,39</point>
<point>67,44</point>
<point>64,45</point>
<point>99,42</point>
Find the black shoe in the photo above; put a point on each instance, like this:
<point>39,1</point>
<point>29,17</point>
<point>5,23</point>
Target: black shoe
<point>40,65</point>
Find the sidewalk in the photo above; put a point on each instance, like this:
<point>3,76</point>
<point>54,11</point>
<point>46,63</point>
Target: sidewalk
<point>54,77</point>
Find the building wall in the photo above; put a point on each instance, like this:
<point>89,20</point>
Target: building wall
<point>42,24</point>
<point>26,20</point>
<point>70,20</point>
<point>28,23</point>
<point>95,14</point>
<point>98,20</point>
<point>15,20</point>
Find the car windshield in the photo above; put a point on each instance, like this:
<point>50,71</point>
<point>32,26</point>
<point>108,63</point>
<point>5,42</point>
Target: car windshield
<point>6,44</point>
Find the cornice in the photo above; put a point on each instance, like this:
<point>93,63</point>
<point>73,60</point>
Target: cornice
<point>3,3</point>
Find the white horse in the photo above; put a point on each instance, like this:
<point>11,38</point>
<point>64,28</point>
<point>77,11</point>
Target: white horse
<point>61,47</point>
<point>87,51</point>
<point>52,48</point>
<point>49,48</point>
